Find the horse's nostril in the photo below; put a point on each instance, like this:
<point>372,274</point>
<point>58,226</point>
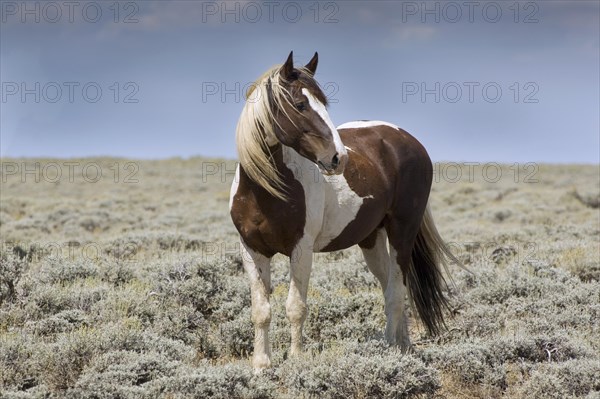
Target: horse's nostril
<point>335,161</point>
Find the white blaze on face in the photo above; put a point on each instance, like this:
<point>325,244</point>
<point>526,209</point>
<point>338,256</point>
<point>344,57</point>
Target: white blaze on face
<point>320,109</point>
<point>234,186</point>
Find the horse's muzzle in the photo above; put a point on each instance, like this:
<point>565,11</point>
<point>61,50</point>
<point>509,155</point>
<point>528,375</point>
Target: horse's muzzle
<point>336,166</point>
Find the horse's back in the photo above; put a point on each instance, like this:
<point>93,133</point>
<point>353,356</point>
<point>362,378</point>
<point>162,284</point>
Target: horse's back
<point>383,141</point>
<point>398,154</point>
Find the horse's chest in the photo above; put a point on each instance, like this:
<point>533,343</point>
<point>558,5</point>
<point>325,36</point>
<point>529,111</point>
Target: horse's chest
<point>267,224</point>
<point>331,204</point>
<point>340,207</point>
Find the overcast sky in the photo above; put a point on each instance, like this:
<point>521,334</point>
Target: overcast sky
<point>474,81</point>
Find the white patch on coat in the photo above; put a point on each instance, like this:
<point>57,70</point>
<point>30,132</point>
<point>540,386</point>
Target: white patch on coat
<point>330,202</point>
<point>362,124</point>
<point>341,207</point>
<point>320,109</point>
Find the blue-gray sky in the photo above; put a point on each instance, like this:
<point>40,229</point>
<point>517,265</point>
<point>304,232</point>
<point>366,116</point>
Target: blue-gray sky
<point>172,74</point>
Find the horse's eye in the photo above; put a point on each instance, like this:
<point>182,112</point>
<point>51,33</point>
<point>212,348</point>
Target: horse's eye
<point>300,106</point>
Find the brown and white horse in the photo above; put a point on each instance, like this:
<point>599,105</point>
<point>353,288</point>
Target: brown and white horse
<point>305,186</point>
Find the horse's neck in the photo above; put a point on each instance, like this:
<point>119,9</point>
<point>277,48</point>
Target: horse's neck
<point>286,159</point>
<point>300,166</point>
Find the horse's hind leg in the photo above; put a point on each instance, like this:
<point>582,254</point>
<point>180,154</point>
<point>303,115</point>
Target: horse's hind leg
<point>381,264</point>
<point>376,255</point>
<point>401,239</point>
<point>258,268</point>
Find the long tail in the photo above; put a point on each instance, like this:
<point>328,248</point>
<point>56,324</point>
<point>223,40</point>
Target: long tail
<point>425,280</point>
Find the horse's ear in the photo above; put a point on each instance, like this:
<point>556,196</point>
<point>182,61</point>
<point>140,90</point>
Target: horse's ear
<point>287,69</point>
<point>312,64</point>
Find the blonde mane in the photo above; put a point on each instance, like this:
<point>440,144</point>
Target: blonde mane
<point>255,126</point>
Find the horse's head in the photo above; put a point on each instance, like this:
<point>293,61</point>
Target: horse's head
<point>301,120</point>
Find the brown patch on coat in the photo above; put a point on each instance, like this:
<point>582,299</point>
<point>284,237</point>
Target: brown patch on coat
<point>265,223</point>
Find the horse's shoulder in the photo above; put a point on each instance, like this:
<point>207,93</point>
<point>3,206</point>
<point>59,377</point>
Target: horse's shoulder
<point>267,224</point>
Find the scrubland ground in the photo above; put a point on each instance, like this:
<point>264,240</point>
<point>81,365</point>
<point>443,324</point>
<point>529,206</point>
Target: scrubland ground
<point>130,285</point>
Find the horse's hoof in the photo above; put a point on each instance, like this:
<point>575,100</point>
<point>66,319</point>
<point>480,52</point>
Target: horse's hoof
<point>260,362</point>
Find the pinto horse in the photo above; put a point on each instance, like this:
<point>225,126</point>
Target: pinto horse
<point>304,186</point>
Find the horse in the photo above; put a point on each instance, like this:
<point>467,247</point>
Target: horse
<point>304,186</point>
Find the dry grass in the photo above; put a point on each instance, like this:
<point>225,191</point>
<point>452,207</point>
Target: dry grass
<point>131,286</point>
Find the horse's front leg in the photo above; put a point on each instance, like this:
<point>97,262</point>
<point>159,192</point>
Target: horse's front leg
<point>296,307</point>
<point>258,268</point>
